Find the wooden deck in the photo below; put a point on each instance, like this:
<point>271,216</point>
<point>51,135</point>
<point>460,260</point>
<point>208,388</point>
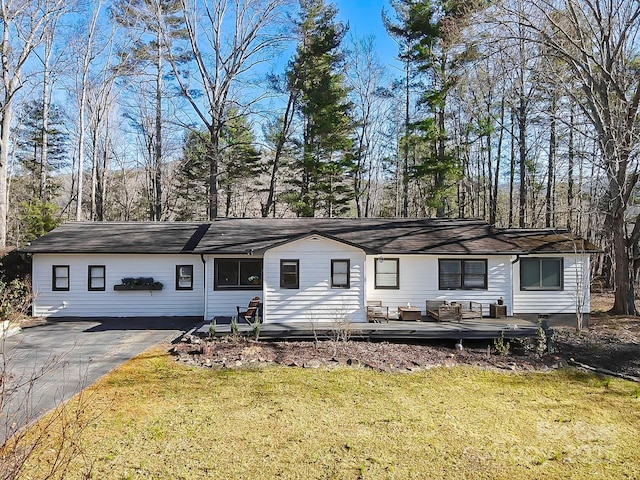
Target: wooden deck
<point>484,328</point>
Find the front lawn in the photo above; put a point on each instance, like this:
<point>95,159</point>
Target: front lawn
<point>159,419</point>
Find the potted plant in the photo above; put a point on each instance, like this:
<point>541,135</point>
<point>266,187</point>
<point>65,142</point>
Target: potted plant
<point>138,283</point>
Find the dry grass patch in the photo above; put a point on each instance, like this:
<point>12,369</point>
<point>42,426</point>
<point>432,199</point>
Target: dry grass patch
<point>164,420</point>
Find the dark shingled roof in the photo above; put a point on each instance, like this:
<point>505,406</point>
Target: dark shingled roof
<point>383,235</point>
<point>120,237</point>
<point>241,236</point>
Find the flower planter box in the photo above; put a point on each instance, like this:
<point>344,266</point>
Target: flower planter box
<point>124,288</point>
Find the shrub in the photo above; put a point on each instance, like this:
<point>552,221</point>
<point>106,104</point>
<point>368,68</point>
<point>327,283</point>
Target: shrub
<point>15,299</point>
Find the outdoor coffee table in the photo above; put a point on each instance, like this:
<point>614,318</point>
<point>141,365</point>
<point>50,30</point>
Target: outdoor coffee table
<point>410,313</point>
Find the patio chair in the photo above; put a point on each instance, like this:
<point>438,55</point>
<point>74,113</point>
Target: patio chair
<point>443,311</point>
<point>376,312</point>
<point>469,310</point>
<point>249,315</point>
<point>457,311</point>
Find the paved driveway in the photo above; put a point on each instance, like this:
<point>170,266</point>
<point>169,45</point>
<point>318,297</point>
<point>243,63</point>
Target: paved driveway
<point>68,356</point>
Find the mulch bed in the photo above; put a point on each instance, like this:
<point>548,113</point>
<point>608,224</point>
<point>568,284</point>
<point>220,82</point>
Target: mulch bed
<point>381,356</point>
<point>609,345</point>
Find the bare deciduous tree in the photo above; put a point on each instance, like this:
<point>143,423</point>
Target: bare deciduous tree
<point>88,49</point>
<point>598,43</point>
<point>227,40</point>
<point>23,26</point>
<point>366,78</point>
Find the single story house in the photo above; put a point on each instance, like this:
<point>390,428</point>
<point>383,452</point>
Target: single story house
<point>306,268</point>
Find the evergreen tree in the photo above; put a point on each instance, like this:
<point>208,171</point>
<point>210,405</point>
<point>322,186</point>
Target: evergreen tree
<point>38,217</point>
<point>429,31</point>
<point>318,81</point>
<point>240,159</point>
<point>192,178</point>
<point>239,168</point>
<point>29,143</point>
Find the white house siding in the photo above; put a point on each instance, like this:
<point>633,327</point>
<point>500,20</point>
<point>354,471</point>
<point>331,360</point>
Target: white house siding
<point>576,288</point>
<point>419,282</point>
<point>315,300</point>
<point>80,302</point>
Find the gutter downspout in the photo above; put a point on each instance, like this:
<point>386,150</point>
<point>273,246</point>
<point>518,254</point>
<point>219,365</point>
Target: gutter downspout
<point>512,284</point>
<point>205,302</point>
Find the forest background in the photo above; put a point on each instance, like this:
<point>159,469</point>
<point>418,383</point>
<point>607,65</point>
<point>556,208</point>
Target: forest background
<point>524,113</point>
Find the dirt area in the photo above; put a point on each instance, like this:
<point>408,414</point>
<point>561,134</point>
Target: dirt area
<point>610,344</point>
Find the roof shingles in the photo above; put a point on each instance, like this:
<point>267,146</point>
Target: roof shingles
<point>239,236</point>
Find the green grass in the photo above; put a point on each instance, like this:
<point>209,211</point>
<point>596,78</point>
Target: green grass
<point>162,420</point>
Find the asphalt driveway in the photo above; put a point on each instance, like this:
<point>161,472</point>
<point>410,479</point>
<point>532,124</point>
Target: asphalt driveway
<point>47,364</point>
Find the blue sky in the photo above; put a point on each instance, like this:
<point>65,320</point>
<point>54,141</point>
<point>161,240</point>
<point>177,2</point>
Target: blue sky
<point>364,17</point>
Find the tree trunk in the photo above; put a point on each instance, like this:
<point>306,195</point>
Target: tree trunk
<point>213,152</point>
<point>82,104</point>
<point>550,207</point>
<point>5,125</point>
<point>94,171</point>
<point>405,147</point>
<point>102,186</point>
<point>496,178</point>
<point>157,181</point>
<point>282,139</point>
<point>441,152</point>
<point>624,296</point>
<point>522,161</point>
<point>571,160</point>
<point>512,170</point>
<point>46,81</point>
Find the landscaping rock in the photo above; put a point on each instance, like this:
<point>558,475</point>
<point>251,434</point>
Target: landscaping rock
<point>312,364</point>
<point>610,344</point>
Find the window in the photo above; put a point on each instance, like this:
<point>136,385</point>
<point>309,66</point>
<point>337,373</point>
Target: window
<point>541,273</point>
<point>97,276</point>
<point>236,273</point>
<point>60,280</point>
<point>184,277</point>
<point>462,274</point>
<point>387,273</point>
<point>289,273</point>
<point>340,273</point>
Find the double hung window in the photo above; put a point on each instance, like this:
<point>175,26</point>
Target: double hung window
<point>290,274</point>
<point>387,273</point>
<point>97,278</point>
<point>340,273</point>
<point>458,274</point>
<point>60,278</point>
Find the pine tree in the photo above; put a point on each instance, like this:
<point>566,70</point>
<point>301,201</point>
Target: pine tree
<point>29,142</point>
<point>192,181</point>
<point>240,168</point>
<point>428,31</point>
<point>316,77</point>
<point>240,160</point>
